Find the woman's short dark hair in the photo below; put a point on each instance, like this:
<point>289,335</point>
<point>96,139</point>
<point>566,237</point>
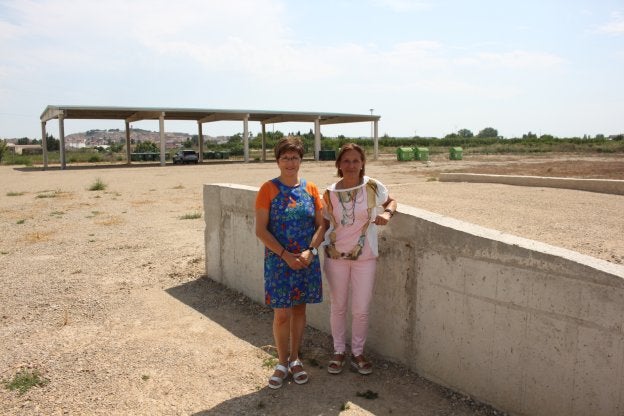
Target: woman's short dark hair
<point>288,144</point>
<point>357,148</point>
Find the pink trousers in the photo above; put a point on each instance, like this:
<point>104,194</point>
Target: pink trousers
<point>359,276</point>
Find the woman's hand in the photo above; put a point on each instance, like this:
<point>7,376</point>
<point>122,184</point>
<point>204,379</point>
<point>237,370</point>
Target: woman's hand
<point>306,257</point>
<point>383,218</point>
<point>390,207</point>
<point>294,261</point>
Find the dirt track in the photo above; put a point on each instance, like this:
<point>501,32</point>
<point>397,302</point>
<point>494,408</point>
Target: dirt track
<point>104,293</point>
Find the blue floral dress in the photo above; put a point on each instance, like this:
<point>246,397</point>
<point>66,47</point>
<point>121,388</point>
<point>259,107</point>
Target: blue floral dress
<point>291,221</point>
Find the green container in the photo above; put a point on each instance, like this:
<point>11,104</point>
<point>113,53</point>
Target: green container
<point>327,155</point>
<point>405,154</point>
<point>209,155</point>
<point>218,155</point>
<point>456,153</point>
<point>135,157</point>
<point>225,154</point>
<point>421,153</point>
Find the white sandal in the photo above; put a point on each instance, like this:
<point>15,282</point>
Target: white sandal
<point>296,376</point>
<point>361,364</point>
<point>279,381</point>
<point>336,366</point>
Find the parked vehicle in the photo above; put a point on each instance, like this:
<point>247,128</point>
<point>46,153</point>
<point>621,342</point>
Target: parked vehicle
<point>185,156</point>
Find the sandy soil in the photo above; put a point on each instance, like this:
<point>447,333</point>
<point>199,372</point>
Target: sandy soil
<point>104,292</point>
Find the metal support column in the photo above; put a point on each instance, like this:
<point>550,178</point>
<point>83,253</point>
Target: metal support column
<point>161,126</point>
<point>61,120</point>
<point>246,138</point>
<point>200,139</point>
<point>44,145</point>
<point>376,140</point>
<point>128,149</point>
<point>263,142</point>
<point>317,138</point>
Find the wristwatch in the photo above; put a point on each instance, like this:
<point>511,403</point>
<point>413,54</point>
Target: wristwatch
<point>313,250</point>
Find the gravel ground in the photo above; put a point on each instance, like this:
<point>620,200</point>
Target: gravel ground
<point>104,292</point>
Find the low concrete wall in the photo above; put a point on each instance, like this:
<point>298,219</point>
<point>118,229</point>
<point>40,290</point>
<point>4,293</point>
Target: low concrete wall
<point>605,186</point>
<point>529,328</point>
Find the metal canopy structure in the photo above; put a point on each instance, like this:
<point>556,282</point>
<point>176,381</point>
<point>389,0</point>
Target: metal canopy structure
<point>201,116</point>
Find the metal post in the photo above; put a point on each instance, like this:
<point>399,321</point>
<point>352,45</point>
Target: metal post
<point>317,138</point>
<point>44,145</point>
<point>61,120</point>
<point>246,137</point>
<point>201,141</point>
<point>263,142</point>
<point>161,125</point>
<point>376,139</point>
<point>128,149</point>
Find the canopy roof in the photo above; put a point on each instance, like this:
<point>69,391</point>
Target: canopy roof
<point>201,115</point>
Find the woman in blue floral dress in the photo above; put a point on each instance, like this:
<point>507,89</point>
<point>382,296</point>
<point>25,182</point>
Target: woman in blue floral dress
<point>289,222</point>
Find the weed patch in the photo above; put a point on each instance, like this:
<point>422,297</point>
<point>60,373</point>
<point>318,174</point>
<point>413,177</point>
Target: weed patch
<point>192,216</point>
<point>51,194</point>
<point>98,185</point>
<point>368,394</point>
<point>270,362</point>
<point>25,379</point>
<point>14,193</point>
<point>93,214</point>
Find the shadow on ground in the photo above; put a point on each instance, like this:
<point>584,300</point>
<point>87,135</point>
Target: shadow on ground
<point>390,390</point>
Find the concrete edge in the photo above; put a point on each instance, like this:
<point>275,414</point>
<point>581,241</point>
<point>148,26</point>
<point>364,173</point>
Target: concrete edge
<point>606,186</point>
<point>513,240</point>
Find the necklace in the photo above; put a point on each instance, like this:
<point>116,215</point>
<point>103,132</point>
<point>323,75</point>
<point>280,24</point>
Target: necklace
<point>348,200</point>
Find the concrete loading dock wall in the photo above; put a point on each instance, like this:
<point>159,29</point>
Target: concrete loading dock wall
<point>529,328</point>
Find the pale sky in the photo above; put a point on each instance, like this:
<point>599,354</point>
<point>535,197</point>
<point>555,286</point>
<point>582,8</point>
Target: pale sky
<point>428,68</point>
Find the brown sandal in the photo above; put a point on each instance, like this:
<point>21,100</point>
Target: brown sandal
<point>337,363</point>
<point>361,364</point>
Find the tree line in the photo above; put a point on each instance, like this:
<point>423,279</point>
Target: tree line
<point>462,138</point>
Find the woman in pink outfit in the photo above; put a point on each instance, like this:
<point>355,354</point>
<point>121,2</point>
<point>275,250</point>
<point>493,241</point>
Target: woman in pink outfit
<point>353,208</point>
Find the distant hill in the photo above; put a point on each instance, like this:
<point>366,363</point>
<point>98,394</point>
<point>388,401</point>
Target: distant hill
<point>92,138</point>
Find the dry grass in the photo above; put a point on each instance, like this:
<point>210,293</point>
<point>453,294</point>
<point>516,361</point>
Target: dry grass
<point>38,237</point>
<point>53,194</point>
<point>142,202</point>
<point>110,221</point>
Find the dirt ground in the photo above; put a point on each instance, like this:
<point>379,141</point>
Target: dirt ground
<point>104,292</point>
